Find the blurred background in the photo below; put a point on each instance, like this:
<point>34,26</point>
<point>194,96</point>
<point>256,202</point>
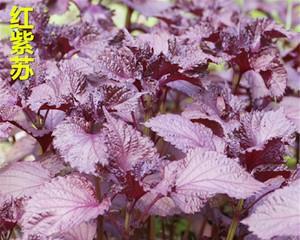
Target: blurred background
<point>285,12</point>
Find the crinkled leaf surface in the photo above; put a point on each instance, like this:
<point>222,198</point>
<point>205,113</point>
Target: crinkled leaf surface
<point>183,133</point>
<point>85,231</point>
<point>291,108</point>
<point>258,127</point>
<point>62,204</point>
<point>203,174</point>
<point>277,214</point>
<point>81,149</point>
<point>63,83</point>
<point>6,94</point>
<point>128,149</point>
<point>23,179</point>
<point>165,206</point>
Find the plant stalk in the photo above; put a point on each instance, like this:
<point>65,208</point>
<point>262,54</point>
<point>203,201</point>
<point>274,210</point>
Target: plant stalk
<point>127,221</point>
<point>236,81</point>
<point>151,228</point>
<point>128,19</point>
<point>100,231</point>
<point>288,20</point>
<point>235,221</point>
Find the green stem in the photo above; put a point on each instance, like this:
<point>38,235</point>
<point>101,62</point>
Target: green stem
<point>288,20</point>
<point>162,107</point>
<point>128,19</point>
<point>127,221</point>
<point>163,229</point>
<point>235,221</point>
<point>187,231</point>
<point>151,228</point>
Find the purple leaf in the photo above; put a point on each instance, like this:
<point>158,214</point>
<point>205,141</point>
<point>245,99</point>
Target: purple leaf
<point>84,231</point>
<point>7,96</point>
<point>52,162</point>
<point>146,7</point>
<point>82,4</point>
<point>277,214</point>
<point>10,213</point>
<point>260,127</point>
<point>63,203</point>
<point>256,83</point>
<point>128,149</point>
<point>118,64</point>
<point>58,7</point>
<point>54,117</point>
<point>291,109</point>
<point>216,105</point>
<point>63,83</point>
<point>159,42</point>
<point>81,149</point>
<point>201,175</point>
<point>165,206</point>
<point>184,134</point>
<point>97,15</point>
<point>123,100</point>
<point>23,179</point>
<point>293,78</point>
<point>268,65</point>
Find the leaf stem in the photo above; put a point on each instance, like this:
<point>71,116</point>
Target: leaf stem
<point>128,216</point>
<point>151,228</point>
<point>187,231</point>
<point>235,221</point>
<point>100,232</point>
<point>146,211</point>
<point>298,147</point>
<point>128,19</point>
<point>202,228</point>
<point>162,107</point>
<point>236,81</point>
<point>127,221</point>
<point>288,20</point>
<point>163,229</point>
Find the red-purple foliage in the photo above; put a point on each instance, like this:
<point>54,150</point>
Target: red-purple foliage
<point>195,115</point>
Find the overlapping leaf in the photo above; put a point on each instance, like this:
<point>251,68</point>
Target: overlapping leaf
<point>201,175</point>
<point>118,64</point>
<point>63,84</point>
<point>81,149</point>
<point>10,213</point>
<point>217,108</point>
<point>23,179</point>
<point>165,206</point>
<point>6,94</point>
<point>292,110</point>
<point>277,215</point>
<point>63,203</point>
<point>257,128</point>
<point>125,101</point>
<point>84,231</point>
<point>272,71</point>
<point>128,149</point>
<point>184,134</point>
